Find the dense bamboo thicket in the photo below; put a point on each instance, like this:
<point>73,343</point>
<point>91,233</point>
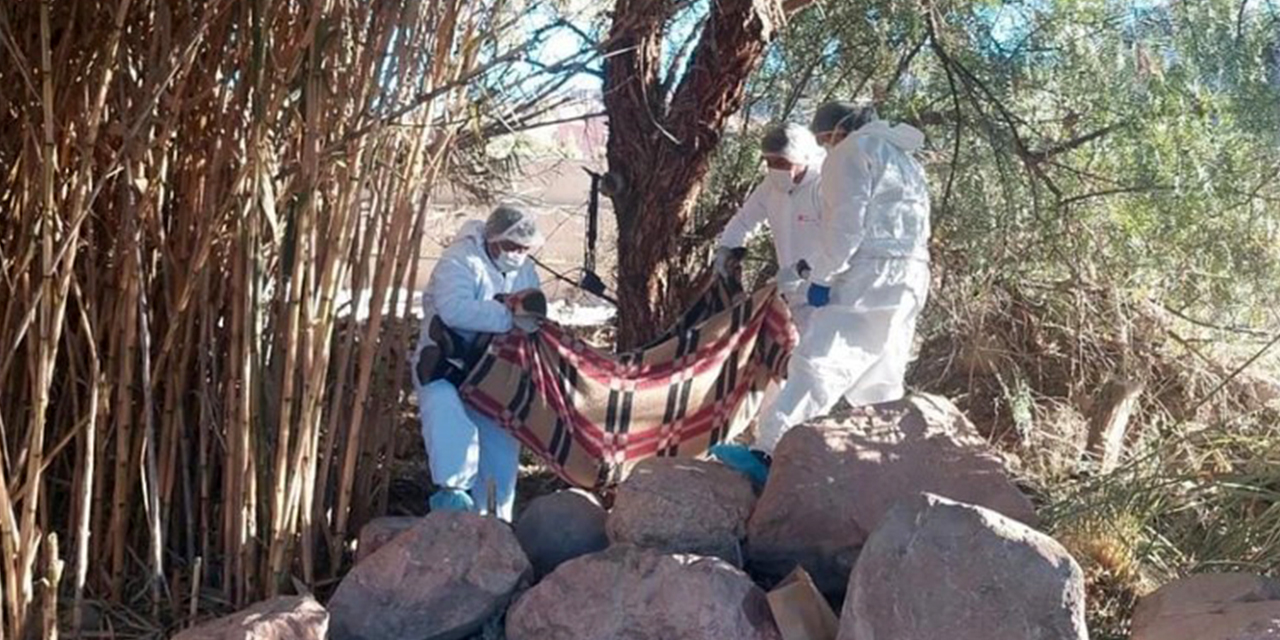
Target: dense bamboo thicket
<point>187,191</point>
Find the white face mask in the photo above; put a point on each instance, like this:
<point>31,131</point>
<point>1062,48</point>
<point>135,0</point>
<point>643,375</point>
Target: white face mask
<point>508,261</point>
<point>780,179</point>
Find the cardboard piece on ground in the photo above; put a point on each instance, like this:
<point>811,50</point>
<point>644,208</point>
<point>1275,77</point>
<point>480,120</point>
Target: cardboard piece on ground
<point>800,610</point>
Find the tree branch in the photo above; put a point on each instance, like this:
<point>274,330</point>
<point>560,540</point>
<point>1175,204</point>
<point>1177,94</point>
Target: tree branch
<point>905,64</point>
<point>677,61</point>
<point>798,89</point>
<point>1112,192</point>
<point>955,104</point>
<point>1240,20</point>
<point>1075,143</point>
<point>791,7</point>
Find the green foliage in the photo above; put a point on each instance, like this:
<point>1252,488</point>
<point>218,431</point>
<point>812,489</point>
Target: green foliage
<point>1123,153</point>
<point>1132,144</point>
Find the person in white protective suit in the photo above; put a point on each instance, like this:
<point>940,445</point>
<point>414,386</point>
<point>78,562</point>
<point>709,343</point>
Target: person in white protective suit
<point>867,285</point>
<point>787,201</point>
<point>469,452</point>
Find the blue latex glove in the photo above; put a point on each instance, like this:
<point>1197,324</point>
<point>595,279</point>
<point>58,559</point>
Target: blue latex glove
<point>743,460</point>
<point>451,500</point>
<point>818,295</point>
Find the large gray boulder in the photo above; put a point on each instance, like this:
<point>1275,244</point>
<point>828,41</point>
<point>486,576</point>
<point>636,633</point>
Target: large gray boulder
<point>632,593</point>
<point>379,532</point>
<point>559,527</point>
<point>936,568</point>
<point>280,618</point>
<point>832,482</point>
<point>1215,606</point>
<point>683,506</point>
<point>440,580</point>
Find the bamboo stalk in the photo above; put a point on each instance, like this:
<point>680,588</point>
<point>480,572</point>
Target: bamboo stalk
<point>9,540</point>
<point>298,314</point>
<point>44,351</point>
<point>88,460</point>
<point>368,349</point>
<point>151,484</point>
<point>332,273</point>
<point>126,323</point>
<point>234,467</point>
<point>197,569</point>
<point>329,447</point>
<point>198,343</point>
<point>248,401</point>
<point>52,578</point>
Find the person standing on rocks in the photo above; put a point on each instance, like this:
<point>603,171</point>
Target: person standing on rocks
<point>788,201</point>
<point>468,452</point>
<point>867,284</point>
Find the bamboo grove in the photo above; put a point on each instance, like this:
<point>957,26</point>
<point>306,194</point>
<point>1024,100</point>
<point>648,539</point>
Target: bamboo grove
<point>187,189</point>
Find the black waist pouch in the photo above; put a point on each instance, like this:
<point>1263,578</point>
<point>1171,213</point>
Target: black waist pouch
<point>451,357</point>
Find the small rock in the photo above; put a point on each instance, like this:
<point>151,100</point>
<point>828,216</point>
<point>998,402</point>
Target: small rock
<point>380,531</point>
<point>642,594</point>
<point>440,580</point>
<point>683,506</point>
<point>832,482</point>
<point>559,527</point>
<point>936,568</point>
<point>280,618</point>
<point>1211,606</point>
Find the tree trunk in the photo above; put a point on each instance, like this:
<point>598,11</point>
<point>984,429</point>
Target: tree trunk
<point>1109,422</point>
<point>660,151</point>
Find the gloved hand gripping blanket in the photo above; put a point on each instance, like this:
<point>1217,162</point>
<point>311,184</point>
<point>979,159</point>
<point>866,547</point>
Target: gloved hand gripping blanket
<point>591,414</point>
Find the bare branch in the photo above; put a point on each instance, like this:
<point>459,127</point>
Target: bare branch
<point>795,6</point>
<point>679,59</point>
<point>1112,192</point>
<point>1075,143</point>
<point>955,101</point>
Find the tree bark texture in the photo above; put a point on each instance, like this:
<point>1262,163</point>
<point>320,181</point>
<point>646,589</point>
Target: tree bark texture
<point>660,149</point>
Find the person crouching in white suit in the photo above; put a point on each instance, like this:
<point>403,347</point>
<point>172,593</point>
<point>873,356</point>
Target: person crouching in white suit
<point>468,452</point>
<point>867,284</point>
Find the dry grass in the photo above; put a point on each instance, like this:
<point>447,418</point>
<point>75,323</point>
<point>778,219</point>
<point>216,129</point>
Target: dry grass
<point>1198,489</point>
<point>1019,358</point>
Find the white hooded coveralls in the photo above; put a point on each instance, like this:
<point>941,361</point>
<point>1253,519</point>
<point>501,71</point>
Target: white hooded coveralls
<point>794,219</point>
<point>465,449</point>
<point>875,235</point>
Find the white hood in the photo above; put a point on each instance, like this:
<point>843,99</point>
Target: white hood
<point>902,136</point>
<point>471,229</point>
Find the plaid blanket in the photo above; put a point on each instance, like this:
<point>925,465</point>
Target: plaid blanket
<point>591,414</point>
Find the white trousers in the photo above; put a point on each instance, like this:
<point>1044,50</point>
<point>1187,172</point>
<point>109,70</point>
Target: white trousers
<point>466,450</point>
<point>858,346</point>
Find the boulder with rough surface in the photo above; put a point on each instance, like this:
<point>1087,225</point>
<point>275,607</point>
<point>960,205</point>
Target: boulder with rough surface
<point>379,532</point>
<point>642,594</point>
<point>832,482</point>
<point>683,506</point>
<point>280,618</point>
<point>561,526</point>
<point>936,568</point>
<point>440,580</point>
<point>1212,606</point>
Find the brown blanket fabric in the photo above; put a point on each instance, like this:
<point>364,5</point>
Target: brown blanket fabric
<point>591,414</point>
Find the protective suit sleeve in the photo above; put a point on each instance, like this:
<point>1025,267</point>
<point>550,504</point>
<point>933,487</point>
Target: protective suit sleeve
<point>846,188</point>
<point>454,290</point>
<point>747,220</point>
<point>527,278</point>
